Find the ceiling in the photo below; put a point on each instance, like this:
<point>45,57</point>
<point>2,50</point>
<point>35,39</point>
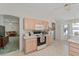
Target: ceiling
<point>50,10</point>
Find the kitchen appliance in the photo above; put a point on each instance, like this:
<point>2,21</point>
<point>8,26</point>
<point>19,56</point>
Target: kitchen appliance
<point>41,42</point>
<point>39,27</point>
<point>41,39</point>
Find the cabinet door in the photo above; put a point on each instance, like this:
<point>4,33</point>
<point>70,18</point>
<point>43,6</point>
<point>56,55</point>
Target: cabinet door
<point>73,53</point>
<point>75,45</point>
<point>46,25</point>
<point>28,24</point>
<point>27,46</point>
<point>32,23</point>
<point>33,44</point>
<point>35,21</point>
<point>49,40</point>
<point>25,23</point>
<point>73,49</point>
<point>30,45</point>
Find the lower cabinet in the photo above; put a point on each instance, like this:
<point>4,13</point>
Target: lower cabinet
<point>73,49</point>
<point>49,40</point>
<point>30,45</point>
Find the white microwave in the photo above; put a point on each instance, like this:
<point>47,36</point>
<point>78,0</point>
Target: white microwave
<point>39,27</point>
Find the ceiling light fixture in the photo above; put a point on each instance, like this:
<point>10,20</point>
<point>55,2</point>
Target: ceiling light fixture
<point>67,7</point>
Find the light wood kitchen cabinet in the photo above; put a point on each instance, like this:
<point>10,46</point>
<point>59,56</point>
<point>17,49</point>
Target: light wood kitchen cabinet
<point>29,23</point>
<point>48,40</point>
<point>30,45</point>
<point>73,49</point>
<point>45,23</point>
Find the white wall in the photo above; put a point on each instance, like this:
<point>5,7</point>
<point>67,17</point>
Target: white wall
<point>60,29</point>
<point>1,20</point>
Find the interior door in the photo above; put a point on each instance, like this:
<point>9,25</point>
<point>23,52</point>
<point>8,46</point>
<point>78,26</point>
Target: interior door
<point>66,31</point>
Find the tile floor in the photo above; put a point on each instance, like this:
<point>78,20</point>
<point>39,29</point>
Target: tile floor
<point>58,48</point>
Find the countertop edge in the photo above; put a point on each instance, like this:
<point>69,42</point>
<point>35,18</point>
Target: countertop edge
<point>74,41</point>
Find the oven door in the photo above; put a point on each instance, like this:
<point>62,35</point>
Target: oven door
<point>41,41</point>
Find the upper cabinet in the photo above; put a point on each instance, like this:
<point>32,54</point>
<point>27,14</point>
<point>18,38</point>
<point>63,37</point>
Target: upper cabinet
<point>45,23</point>
<point>31,23</point>
<point>28,24</point>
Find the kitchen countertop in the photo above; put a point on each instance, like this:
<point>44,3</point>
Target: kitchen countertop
<point>29,37</point>
<point>32,36</point>
<point>74,40</point>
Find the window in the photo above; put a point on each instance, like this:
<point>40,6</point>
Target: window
<point>75,29</point>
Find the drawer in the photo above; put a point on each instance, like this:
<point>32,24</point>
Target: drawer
<point>74,49</point>
<point>71,53</point>
<point>74,45</point>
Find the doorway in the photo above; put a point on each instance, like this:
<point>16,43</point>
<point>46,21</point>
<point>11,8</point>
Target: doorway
<point>9,33</point>
<point>66,31</point>
<point>53,30</point>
